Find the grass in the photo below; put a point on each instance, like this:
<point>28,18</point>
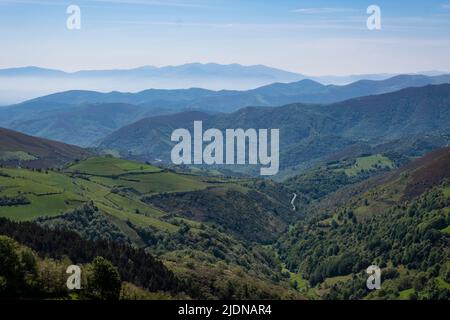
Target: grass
<point>368,163</point>
<point>16,155</point>
<point>54,193</point>
<point>50,194</point>
<point>135,206</point>
<point>52,205</point>
<point>138,219</point>
<point>153,183</point>
<point>446,230</point>
<point>115,186</point>
<point>442,283</point>
<point>334,280</point>
<point>406,294</point>
<point>301,283</point>
<point>109,166</point>
<point>446,191</point>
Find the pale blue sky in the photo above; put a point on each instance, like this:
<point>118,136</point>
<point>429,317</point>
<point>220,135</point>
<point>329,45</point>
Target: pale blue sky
<point>312,37</point>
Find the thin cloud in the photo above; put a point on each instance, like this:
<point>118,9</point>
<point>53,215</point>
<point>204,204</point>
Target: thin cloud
<point>333,24</point>
<point>169,3</point>
<point>31,2</point>
<point>446,6</point>
<point>323,10</point>
<point>166,3</point>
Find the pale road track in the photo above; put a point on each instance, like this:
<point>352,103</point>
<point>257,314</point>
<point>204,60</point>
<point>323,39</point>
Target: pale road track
<point>292,201</point>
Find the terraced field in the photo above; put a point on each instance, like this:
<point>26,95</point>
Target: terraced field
<point>113,185</point>
<point>49,193</point>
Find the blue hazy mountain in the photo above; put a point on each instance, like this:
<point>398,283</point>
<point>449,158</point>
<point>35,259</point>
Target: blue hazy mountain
<point>399,120</point>
<point>20,84</point>
<point>190,70</point>
<point>25,83</point>
<point>305,91</point>
<point>84,117</point>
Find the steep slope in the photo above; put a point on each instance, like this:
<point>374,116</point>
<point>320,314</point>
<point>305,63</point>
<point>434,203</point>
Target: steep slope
<point>150,137</point>
<point>17,148</point>
<point>398,222</point>
<point>83,125</point>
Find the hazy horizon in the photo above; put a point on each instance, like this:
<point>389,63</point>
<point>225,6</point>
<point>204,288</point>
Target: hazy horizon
<point>437,71</point>
<point>327,40</point>
<point>315,38</point>
<point>19,84</point>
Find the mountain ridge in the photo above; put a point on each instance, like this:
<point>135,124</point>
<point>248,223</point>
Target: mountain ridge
<point>307,131</point>
<point>19,149</point>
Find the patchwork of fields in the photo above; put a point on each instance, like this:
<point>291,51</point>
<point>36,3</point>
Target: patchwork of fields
<point>113,185</point>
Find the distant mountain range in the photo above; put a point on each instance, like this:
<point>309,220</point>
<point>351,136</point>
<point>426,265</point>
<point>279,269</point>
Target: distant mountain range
<point>305,91</point>
<point>189,70</point>
<point>309,133</point>
<point>85,117</point>
<point>19,84</point>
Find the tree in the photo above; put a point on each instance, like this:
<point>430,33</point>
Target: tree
<point>17,269</point>
<point>104,281</point>
<point>11,271</point>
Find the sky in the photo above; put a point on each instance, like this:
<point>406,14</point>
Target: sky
<point>310,37</point>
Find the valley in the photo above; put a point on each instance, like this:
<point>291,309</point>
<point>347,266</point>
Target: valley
<point>118,200</point>
<point>370,178</point>
<point>238,159</point>
<point>202,227</point>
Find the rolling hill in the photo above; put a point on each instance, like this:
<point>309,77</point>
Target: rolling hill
<point>85,117</point>
<point>114,200</point>
<point>309,133</point>
<point>20,149</point>
<point>303,91</point>
<point>215,232</point>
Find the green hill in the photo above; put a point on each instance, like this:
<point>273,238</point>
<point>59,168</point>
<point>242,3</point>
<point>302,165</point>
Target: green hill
<point>310,134</point>
<point>124,201</point>
<point>397,221</point>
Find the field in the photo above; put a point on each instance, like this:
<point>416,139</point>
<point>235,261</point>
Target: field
<point>109,166</point>
<point>368,163</point>
<point>53,193</point>
<point>115,186</point>
<point>16,155</point>
<point>49,193</point>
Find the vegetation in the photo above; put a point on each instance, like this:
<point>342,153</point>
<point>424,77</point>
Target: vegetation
<point>28,275</point>
<point>323,180</point>
<point>143,232</point>
<point>19,200</point>
<point>117,201</point>
<point>405,238</point>
<point>104,280</point>
<point>140,267</point>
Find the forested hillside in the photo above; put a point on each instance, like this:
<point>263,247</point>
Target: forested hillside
<point>409,122</point>
<point>399,222</point>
